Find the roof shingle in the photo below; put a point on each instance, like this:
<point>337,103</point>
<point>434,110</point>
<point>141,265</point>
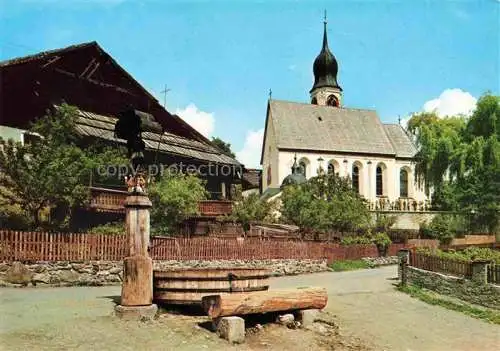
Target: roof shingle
<point>401,142</point>
<point>99,126</point>
<point>324,128</point>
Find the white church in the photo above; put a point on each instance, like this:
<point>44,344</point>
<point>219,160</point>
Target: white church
<point>324,135</point>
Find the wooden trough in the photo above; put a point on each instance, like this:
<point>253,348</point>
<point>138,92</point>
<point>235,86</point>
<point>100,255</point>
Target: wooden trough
<point>189,286</point>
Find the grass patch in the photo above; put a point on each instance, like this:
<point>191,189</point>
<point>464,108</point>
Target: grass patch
<point>486,314</point>
<point>349,265</point>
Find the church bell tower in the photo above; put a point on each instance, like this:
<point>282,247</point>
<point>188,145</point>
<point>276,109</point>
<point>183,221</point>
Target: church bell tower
<point>326,91</point>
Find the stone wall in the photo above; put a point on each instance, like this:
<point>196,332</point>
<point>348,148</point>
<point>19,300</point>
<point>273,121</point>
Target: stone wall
<point>473,291</point>
<point>97,273</point>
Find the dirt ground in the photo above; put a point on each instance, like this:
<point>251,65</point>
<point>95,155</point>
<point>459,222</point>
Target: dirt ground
<point>82,319</point>
<point>370,313</point>
<point>366,305</point>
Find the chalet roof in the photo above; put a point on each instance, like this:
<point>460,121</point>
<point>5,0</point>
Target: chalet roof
<point>300,126</point>
<point>46,54</point>
<point>84,76</point>
<point>401,142</point>
<point>99,126</point>
<point>251,178</point>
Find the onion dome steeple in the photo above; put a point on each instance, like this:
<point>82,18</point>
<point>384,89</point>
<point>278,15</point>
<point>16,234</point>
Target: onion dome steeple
<point>325,68</point>
<point>297,177</point>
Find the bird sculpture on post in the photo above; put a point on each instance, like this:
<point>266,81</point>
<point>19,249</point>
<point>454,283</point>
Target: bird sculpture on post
<point>137,286</point>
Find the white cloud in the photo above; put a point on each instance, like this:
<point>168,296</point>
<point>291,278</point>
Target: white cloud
<point>203,122</point>
<point>452,102</point>
<point>250,154</point>
<point>292,67</point>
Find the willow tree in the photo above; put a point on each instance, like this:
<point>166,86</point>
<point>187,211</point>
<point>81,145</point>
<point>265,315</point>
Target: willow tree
<point>459,158</point>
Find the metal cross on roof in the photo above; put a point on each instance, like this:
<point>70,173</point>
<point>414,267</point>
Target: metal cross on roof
<point>164,92</point>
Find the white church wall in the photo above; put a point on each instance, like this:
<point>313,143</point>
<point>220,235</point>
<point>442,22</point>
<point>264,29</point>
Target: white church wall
<point>270,159</point>
<point>343,165</point>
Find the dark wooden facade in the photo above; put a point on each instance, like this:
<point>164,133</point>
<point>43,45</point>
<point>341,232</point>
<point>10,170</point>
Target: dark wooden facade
<point>87,77</point>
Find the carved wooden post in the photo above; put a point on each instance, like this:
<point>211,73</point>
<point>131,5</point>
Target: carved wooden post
<point>137,286</point>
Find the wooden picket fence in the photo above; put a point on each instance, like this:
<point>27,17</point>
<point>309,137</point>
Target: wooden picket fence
<point>39,246</point>
<point>493,273</point>
<point>441,265</point>
<point>232,249</point>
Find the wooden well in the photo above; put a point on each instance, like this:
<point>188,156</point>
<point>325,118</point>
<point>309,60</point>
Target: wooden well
<point>188,286</point>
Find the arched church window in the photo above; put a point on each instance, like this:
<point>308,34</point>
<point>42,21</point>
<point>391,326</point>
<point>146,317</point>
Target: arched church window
<point>303,167</point>
<point>355,178</point>
<point>379,181</point>
<point>331,168</point>
<point>332,101</point>
<point>314,101</point>
<point>403,183</point>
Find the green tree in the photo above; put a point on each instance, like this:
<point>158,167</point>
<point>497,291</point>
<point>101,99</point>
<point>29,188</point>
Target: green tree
<point>42,175</point>
<point>175,197</point>
<point>51,172</point>
<point>223,146</point>
<point>459,159</point>
<point>326,202</point>
<point>253,209</point>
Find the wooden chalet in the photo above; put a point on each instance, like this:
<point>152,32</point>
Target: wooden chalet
<point>87,77</point>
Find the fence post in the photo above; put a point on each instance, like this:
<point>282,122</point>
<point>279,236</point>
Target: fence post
<point>404,258</point>
<point>480,271</point>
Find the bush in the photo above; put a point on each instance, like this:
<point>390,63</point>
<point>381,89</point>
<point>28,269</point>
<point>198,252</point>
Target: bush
<point>253,209</point>
<point>468,254</point>
<point>382,239</point>
<point>113,228</point>
<point>355,240</point>
<point>443,228</point>
<point>384,222</point>
<point>383,242</point>
<point>175,197</point>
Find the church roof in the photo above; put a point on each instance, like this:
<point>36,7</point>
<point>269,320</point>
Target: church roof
<point>401,142</point>
<point>300,126</point>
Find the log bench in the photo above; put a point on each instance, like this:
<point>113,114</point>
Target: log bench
<point>226,309</point>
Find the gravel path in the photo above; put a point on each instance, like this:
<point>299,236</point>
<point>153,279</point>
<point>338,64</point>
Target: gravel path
<point>365,303</point>
<point>367,306</point>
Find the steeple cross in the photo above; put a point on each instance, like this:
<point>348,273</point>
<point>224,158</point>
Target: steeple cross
<point>324,18</point>
<point>270,93</point>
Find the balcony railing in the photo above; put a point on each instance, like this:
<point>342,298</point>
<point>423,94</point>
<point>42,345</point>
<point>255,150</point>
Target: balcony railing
<point>111,200</point>
<point>107,200</point>
<point>215,207</point>
<point>402,204</point>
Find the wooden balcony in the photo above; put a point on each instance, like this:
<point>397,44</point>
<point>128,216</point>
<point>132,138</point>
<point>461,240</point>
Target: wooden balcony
<point>112,200</point>
<point>214,208</point>
<point>107,200</point>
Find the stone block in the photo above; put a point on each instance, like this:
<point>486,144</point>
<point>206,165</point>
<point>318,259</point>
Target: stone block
<point>231,328</point>
<point>41,278</point>
<point>142,313</point>
<point>307,317</point>
<point>18,273</point>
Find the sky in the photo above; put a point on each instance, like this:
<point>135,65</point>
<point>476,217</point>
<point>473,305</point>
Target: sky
<point>220,58</point>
